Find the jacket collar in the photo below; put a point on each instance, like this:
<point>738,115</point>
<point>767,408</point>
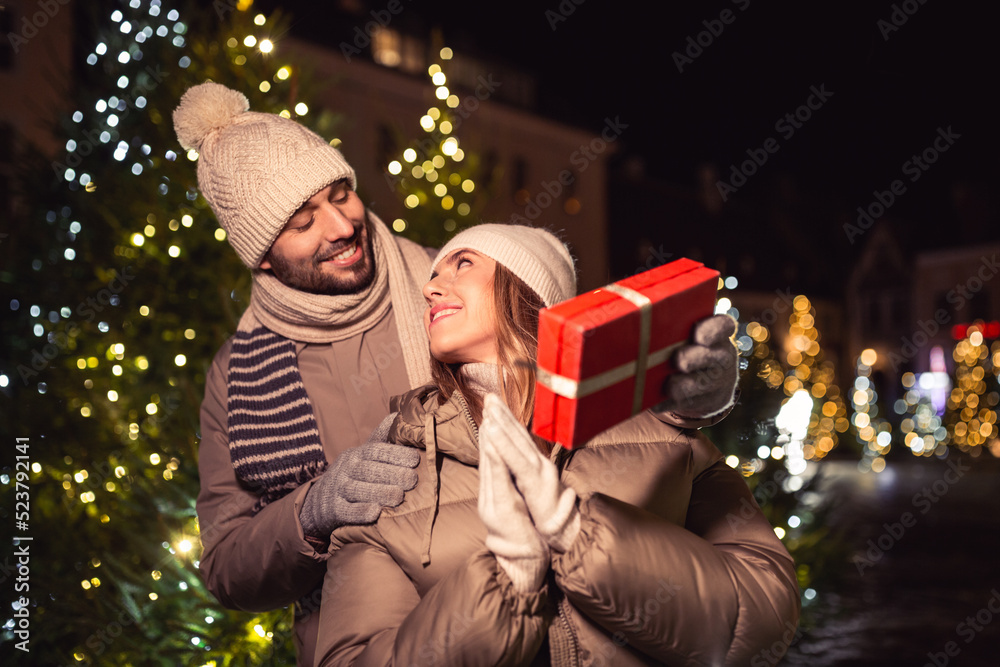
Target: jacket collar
<point>455,434</point>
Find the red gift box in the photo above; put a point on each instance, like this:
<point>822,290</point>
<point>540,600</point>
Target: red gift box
<point>590,347</point>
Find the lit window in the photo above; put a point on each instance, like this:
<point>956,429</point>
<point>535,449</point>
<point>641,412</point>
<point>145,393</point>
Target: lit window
<point>386,47</point>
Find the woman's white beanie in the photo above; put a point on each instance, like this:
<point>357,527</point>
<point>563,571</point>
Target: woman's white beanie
<point>255,169</point>
<point>534,255</point>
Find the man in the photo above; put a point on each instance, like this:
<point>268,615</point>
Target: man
<point>333,330</point>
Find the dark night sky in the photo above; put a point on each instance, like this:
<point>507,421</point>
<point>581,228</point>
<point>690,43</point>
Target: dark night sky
<point>889,95</point>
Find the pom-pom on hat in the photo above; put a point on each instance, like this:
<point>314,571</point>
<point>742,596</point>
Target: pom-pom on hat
<point>534,255</point>
<point>255,169</point>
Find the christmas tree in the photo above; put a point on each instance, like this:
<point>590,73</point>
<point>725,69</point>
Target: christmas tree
<point>788,418</point>
<point>971,418</point>
<point>812,373</point>
<point>873,431</point>
<point>938,409</point>
<point>119,288</point>
<point>441,184</point>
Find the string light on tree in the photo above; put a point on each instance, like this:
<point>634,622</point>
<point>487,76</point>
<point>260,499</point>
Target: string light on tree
<point>438,182</point>
<point>921,406</point>
<point>809,371</point>
<point>771,435</point>
<point>971,417</point>
<point>873,431</point>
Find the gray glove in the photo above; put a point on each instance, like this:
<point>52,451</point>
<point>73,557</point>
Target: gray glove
<point>358,485</point>
<point>707,370</point>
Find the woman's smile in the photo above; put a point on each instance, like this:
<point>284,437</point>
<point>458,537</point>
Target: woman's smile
<point>443,310</point>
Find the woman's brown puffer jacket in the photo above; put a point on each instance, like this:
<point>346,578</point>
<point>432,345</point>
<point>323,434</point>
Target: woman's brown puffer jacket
<point>675,564</point>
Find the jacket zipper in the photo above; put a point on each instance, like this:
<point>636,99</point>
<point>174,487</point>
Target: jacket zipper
<point>563,614</point>
<point>559,456</point>
<point>468,415</point>
<point>570,631</point>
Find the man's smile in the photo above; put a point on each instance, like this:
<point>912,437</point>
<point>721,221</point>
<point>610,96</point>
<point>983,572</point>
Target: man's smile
<point>348,256</point>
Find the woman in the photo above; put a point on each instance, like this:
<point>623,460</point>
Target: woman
<point>637,548</point>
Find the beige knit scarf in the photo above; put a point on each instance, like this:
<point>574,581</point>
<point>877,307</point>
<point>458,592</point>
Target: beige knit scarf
<point>401,269</point>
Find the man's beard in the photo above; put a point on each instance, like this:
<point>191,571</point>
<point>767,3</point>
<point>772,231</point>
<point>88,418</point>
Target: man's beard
<point>308,275</point>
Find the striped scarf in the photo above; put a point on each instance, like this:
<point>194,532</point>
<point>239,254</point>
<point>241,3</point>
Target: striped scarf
<point>274,440</point>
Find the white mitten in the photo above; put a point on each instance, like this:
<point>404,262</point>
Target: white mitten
<point>552,504</point>
<point>510,535</point>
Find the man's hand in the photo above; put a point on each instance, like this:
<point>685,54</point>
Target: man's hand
<point>358,485</point>
<point>707,371</point>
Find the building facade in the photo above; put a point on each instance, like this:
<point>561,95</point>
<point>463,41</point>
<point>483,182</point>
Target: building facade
<point>541,172</point>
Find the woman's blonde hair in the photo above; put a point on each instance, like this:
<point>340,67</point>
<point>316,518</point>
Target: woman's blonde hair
<point>515,315</point>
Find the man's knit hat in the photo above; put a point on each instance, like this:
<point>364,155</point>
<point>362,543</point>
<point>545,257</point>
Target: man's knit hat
<point>255,169</point>
<point>534,255</point>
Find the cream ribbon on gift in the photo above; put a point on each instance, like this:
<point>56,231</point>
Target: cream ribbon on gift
<point>574,389</point>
